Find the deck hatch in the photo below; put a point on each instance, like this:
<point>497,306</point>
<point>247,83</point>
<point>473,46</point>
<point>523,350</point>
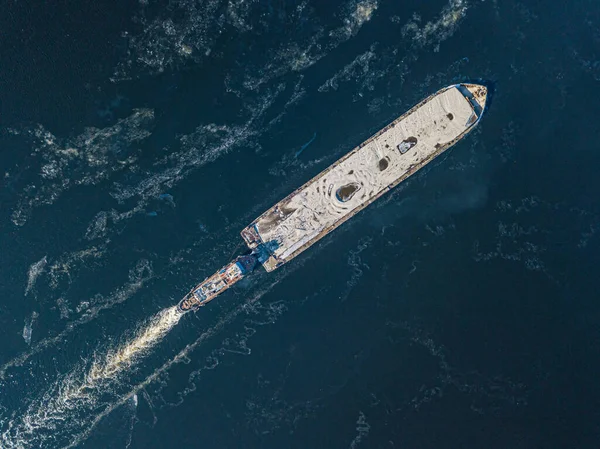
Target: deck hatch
<point>407,144</point>
<point>346,192</point>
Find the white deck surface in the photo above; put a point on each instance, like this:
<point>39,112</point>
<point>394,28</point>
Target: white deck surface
<point>314,208</point>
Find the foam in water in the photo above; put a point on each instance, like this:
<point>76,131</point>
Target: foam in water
<point>441,29</point>
<point>34,271</point>
<point>122,357</point>
<point>303,51</point>
<point>204,145</point>
<point>89,310</point>
<point>357,68</point>
<point>85,159</point>
<point>359,14</point>
<point>28,328</point>
<point>362,427</point>
<point>68,406</point>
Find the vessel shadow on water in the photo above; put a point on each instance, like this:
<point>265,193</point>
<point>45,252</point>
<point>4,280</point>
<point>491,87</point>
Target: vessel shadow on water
<point>349,185</point>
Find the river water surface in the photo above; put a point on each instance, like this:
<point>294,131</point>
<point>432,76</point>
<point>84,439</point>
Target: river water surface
<point>137,140</point>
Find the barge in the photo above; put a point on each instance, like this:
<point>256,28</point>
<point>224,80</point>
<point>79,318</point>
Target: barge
<point>367,172</point>
<point>349,185</point>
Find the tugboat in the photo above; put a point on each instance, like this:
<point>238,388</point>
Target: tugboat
<point>216,284</point>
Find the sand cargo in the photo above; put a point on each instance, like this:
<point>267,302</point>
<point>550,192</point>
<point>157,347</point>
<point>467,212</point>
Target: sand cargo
<point>356,180</point>
<point>349,185</point>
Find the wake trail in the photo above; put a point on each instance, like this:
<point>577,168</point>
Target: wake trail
<point>66,407</point>
<point>73,406</point>
<point>120,296</point>
<point>181,357</point>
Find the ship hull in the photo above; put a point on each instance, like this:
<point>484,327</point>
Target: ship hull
<point>366,173</point>
<point>218,283</point>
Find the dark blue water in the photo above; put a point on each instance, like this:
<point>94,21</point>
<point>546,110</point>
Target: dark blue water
<point>138,139</point>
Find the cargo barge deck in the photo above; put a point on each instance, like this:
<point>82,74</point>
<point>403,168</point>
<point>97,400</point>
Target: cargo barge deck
<point>368,171</point>
<point>349,185</point>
